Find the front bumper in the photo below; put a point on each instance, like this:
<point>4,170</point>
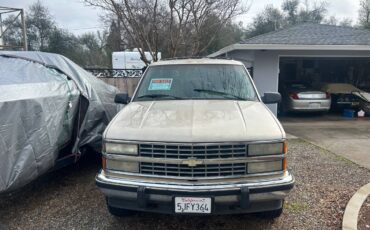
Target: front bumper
<point>245,197</point>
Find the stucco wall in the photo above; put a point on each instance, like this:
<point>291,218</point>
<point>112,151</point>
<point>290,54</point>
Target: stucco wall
<point>265,74</point>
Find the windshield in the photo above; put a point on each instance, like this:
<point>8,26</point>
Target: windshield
<point>187,82</point>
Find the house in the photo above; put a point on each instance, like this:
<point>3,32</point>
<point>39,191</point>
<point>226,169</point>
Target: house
<point>308,52</point>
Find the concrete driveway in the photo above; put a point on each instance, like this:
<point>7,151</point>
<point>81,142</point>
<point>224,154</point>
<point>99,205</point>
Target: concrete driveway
<point>349,138</point>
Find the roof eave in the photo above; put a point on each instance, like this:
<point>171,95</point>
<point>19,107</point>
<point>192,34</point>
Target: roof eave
<point>239,46</point>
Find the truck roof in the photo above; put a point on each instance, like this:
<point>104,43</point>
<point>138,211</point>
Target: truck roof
<point>196,61</point>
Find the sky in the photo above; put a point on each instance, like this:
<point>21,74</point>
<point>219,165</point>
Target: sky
<point>78,18</point>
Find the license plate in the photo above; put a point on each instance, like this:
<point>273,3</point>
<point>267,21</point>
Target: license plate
<point>315,105</point>
<point>192,205</point>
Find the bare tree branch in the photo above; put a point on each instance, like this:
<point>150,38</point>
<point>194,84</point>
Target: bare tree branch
<point>179,25</point>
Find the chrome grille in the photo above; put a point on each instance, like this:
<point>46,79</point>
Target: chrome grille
<point>212,170</point>
<point>196,151</point>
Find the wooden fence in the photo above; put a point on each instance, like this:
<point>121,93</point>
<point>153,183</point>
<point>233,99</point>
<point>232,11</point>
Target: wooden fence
<point>124,84</point>
<point>125,80</point>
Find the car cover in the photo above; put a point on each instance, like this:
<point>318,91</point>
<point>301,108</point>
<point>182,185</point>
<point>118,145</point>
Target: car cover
<point>49,109</point>
<point>339,88</point>
<point>364,101</point>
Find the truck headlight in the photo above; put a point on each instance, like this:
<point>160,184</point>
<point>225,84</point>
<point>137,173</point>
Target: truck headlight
<point>120,165</point>
<point>264,167</point>
<point>118,148</point>
<point>265,149</point>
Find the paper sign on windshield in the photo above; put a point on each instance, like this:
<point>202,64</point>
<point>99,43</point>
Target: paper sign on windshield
<point>160,84</point>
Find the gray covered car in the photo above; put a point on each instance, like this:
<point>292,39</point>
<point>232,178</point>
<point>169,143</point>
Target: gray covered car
<point>50,109</point>
<point>195,138</point>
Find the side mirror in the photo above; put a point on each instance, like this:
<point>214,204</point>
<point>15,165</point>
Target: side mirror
<point>271,98</point>
<point>122,98</point>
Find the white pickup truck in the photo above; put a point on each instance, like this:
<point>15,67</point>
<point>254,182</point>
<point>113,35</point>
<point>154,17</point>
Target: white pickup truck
<point>196,138</point>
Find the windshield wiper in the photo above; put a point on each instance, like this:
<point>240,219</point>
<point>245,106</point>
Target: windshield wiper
<point>219,93</point>
<point>159,96</point>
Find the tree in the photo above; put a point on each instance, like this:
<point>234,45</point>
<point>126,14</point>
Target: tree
<point>64,43</point>
<point>291,8</point>
<point>43,35</point>
<point>364,14</point>
<point>140,21</point>
<point>270,19</point>
<point>93,50</point>
<point>292,12</point>
<point>228,34</point>
<point>314,14</point>
<point>178,25</point>
<point>346,22</point>
<point>39,25</point>
<point>87,50</point>
<point>336,22</point>
<point>13,34</point>
<point>195,24</point>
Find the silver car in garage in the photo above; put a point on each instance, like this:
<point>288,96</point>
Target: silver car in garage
<point>301,97</point>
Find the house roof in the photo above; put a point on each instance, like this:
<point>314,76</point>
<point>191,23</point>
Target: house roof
<point>314,34</point>
<point>307,36</point>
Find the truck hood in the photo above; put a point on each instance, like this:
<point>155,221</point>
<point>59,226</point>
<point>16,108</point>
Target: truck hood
<point>195,121</point>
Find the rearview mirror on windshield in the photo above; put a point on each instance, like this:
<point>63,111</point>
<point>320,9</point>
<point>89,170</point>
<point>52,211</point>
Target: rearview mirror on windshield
<point>271,98</point>
<point>122,98</point>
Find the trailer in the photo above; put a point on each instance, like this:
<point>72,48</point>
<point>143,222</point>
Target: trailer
<point>130,59</point>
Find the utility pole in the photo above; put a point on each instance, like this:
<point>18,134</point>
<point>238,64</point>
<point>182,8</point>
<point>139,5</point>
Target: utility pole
<point>25,44</point>
<point>1,32</point>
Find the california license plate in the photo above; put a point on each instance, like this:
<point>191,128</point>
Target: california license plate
<point>315,105</point>
<point>192,205</point>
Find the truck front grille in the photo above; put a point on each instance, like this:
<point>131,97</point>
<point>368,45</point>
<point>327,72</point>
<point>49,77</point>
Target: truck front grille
<point>197,151</point>
<point>179,170</point>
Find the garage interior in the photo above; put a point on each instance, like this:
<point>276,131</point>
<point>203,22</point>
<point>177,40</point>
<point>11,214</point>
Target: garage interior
<point>316,71</point>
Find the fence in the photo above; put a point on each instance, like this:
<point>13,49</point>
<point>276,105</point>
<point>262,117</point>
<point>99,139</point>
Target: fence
<point>125,80</point>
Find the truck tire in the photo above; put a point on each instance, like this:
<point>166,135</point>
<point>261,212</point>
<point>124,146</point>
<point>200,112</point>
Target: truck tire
<point>119,212</point>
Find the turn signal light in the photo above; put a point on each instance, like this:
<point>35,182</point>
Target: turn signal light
<point>285,147</point>
<point>104,163</point>
<point>285,163</point>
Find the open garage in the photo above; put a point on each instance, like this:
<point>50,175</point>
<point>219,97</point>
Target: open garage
<point>314,54</point>
<point>325,58</point>
<point>341,81</point>
<point>319,70</point>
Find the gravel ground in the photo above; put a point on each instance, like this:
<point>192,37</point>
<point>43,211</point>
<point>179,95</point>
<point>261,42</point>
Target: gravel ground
<point>69,199</point>
<point>364,217</point>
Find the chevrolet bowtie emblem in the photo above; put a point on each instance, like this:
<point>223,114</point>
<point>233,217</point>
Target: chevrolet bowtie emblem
<point>192,162</point>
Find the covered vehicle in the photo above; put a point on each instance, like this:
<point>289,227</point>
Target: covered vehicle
<point>342,96</point>
<point>302,97</point>
<point>364,101</point>
<point>50,108</point>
